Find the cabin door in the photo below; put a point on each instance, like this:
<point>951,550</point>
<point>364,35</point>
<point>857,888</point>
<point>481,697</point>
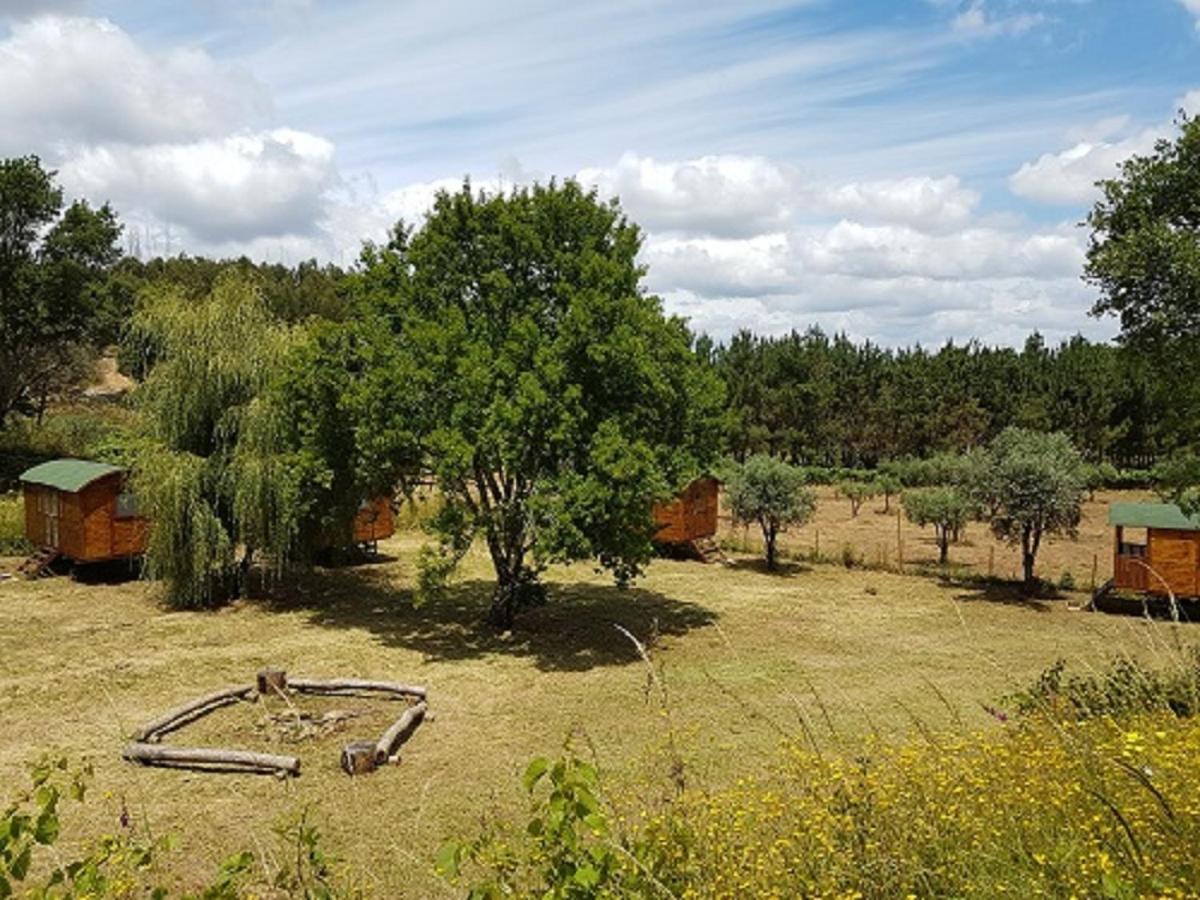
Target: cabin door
<point>50,515</point>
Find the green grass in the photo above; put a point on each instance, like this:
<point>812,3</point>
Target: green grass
<point>748,659</point>
<point>12,526</point>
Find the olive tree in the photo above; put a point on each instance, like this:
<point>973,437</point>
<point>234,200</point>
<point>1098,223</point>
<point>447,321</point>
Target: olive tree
<point>858,493</point>
<point>771,493</point>
<point>550,396</point>
<point>947,509</point>
<point>1030,484</point>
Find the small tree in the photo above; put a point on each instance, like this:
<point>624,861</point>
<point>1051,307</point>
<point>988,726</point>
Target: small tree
<point>947,509</point>
<point>772,493</point>
<point>889,485</point>
<point>1031,484</point>
<point>858,493</point>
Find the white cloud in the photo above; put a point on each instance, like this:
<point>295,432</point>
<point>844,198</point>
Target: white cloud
<point>1193,7</point>
<point>977,21</point>
<point>922,201</point>
<point>235,188</point>
<point>1069,176</point>
<point>721,195</point>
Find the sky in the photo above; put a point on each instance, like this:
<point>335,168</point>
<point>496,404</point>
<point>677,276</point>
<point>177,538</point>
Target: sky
<point>908,171</point>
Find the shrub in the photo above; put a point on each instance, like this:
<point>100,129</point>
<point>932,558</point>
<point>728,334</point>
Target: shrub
<point>1102,808</point>
<point>12,526</point>
<point>858,493</point>
<point>1126,687</point>
<point>772,494</point>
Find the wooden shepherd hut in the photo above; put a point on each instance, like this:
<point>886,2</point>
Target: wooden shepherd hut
<point>80,510</point>
<point>687,525</point>
<point>1166,556</point>
<point>374,521</point>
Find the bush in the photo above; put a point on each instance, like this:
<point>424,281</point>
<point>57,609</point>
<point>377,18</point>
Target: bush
<point>1126,687</point>
<point>12,526</point>
<point>1104,808</point>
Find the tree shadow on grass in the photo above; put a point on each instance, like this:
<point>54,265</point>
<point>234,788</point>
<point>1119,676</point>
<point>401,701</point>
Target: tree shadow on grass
<point>573,631</point>
<point>758,565</point>
<point>1007,593</point>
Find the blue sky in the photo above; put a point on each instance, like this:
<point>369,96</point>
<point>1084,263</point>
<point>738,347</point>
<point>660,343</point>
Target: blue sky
<point>906,171</point>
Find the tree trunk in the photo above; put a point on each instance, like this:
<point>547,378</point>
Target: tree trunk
<point>1028,555</point>
<point>943,546</point>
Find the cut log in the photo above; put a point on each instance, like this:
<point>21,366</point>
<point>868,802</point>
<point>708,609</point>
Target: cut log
<point>271,681</point>
<point>358,758</point>
<point>189,712</point>
<point>211,758</point>
<point>399,732</point>
<point>353,685</point>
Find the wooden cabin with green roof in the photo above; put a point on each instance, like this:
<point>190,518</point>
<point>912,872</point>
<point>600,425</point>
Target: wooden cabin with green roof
<point>1156,547</point>
<point>81,510</point>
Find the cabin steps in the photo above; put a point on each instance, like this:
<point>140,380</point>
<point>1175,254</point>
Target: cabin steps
<point>707,550</point>
<point>38,565</point>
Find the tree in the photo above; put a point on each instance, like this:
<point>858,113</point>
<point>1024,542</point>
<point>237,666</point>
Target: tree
<point>947,509</point>
<point>1031,484</point>
<point>213,476</point>
<point>771,493</point>
<point>858,493</point>
<point>552,399</point>
<point>52,269</point>
<point>890,484</point>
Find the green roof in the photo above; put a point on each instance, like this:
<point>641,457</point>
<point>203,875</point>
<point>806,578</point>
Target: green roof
<point>70,475</point>
<point>1151,515</point>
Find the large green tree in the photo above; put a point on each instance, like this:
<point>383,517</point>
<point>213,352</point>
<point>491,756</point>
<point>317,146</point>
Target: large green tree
<point>53,267</point>
<point>1030,484</point>
<point>552,398</point>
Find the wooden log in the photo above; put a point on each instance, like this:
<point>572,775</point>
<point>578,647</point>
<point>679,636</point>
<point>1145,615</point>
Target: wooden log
<point>358,757</point>
<point>191,711</point>
<point>399,732</point>
<point>352,685</point>
<point>271,681</point>
<point>210,758</point>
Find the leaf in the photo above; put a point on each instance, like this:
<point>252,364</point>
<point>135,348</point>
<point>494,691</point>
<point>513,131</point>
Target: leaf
<point>587,876</point>
<point>447,859</point>
<point>47,828</point>
<point>534,772</point>
<point>20,865</point>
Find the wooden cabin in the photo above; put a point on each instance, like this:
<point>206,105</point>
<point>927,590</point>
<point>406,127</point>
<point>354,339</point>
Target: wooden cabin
<point>690,520</point>
<point>82,510</point>
<point>1155,543</point>
<point>374,521</point>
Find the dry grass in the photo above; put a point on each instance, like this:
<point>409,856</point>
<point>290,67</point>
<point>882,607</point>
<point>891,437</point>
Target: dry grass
<point>874,539</point>
<point>746,656</point>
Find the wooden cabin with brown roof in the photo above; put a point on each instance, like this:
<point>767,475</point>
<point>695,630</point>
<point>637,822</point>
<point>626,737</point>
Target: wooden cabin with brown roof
<point>80,509</point>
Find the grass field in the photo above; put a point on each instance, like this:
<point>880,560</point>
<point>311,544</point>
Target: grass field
<point>747,656</point>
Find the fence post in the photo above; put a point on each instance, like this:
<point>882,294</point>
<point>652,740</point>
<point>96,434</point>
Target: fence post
<point>899,544</point>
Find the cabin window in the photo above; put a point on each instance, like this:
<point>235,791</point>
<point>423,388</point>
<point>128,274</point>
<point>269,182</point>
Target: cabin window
<point>127,506</point>
<point>1133,542</point>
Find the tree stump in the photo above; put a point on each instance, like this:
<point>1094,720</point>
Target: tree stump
<point>271,681</point>
<point>358,757</point>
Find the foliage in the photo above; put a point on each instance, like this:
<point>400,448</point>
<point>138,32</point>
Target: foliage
<point>569,854</point>
<point>1029,485</point>
<point>126,864</point>
<point>890,485</point>
<point>822,400</point>
<point>772,494</point>
<point>1126,687</point>
<point>214,477</point>
<point>858,493</point>
<point>53,263</point>
<point>947,509</point>
<point>12,526</point>
<point>549,395</point>
<point>1178,479</point>
<point>1089,808</point>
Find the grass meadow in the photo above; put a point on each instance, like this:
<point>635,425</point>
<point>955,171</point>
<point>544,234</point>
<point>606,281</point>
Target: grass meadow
<point>750,662</point>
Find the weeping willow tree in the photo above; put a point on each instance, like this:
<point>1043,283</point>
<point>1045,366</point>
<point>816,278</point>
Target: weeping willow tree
<point>217,475</point>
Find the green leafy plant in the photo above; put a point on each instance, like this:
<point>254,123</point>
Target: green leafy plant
<point>770,493</point>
